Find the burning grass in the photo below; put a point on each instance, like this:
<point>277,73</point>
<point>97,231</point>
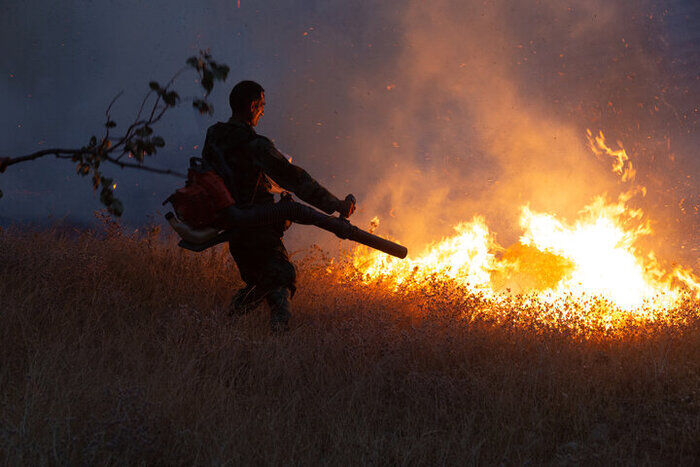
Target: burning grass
<point>119,349</point>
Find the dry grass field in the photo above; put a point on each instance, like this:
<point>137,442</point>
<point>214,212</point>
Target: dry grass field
<point>118,350</point>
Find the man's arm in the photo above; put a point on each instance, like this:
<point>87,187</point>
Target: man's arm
<point>292,177</point>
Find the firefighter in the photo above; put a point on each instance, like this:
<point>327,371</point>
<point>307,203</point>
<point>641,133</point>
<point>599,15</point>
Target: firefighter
<point>254,165</point>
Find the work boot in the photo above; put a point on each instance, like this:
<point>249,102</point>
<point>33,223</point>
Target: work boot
<point>244,301</point>
<point>280,309</point>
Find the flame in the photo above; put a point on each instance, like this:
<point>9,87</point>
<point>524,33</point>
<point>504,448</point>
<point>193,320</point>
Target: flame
<point>602,252</point>
<point>594,256</point>
<point>592,260</point>
<point>464,258</point>
<point>687,278</point>
<point>622,164</point>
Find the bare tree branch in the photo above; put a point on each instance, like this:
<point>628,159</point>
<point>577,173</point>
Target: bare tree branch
<point>138,139</point>
<point>5,162</point>
<point>69,153</point>
<point>136,165</point>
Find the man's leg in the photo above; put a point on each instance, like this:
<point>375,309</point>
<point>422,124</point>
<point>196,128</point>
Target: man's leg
<point>280,309</point>
<point>248,298</point>
<point>245,300</point>
<point>278,279</point>
<point>264,265</point>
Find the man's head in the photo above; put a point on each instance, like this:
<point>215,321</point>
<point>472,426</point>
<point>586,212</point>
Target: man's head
<point>247,101</point>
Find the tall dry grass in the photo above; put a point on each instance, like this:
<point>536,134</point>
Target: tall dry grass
<point>118,350</point>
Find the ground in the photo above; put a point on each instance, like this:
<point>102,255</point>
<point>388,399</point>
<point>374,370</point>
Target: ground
<point>118,348</point>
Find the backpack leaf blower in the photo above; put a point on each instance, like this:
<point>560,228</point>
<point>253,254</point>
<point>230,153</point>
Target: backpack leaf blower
<point>205,211</point>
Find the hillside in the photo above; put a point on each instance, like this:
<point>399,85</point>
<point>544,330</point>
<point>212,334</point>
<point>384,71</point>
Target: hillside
<point>119,349</point>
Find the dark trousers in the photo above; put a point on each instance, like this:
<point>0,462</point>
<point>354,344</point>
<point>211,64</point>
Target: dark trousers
<point>265,268</point>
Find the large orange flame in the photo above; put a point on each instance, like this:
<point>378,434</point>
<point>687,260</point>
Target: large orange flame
<point>555,260</point>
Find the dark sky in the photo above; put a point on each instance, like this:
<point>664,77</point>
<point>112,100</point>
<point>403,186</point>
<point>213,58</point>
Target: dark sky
<point>430,112</point>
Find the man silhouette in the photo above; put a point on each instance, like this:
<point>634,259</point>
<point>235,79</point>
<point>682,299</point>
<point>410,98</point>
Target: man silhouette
<point>255,167</point>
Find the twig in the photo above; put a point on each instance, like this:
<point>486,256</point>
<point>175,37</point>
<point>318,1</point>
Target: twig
<point>143,103</point>
<point>109,107</point>
<point>144,167</point>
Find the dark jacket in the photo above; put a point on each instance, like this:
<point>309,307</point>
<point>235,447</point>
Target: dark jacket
<point>252,158</point>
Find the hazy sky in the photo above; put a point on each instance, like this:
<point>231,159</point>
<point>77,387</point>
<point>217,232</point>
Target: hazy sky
<point>429,112</point>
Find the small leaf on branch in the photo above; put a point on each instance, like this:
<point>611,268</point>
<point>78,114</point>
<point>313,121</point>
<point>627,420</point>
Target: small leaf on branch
<point>0,193</point>
<point>93,141</point>
<point>149,148</point>
<point>158,141</point>
<point>107,197</point>
<point>116,207</point>
<point>193,62</point>
<point>154,85</point>
<point>83,169</point>
<point>144,131</point>
<point>4,161</point>
<point>110,124</point>
<point>137,146</point>
<point>220,71</point>
<point>203,106</point>
<point>170,98</point>
<point>95,180</point>
<point>207,80</point>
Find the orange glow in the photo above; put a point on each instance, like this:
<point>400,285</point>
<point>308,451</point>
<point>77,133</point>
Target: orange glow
<point>591,260</point>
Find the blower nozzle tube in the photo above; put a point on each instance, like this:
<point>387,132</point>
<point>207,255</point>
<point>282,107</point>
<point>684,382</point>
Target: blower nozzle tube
<point>268,214</point>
